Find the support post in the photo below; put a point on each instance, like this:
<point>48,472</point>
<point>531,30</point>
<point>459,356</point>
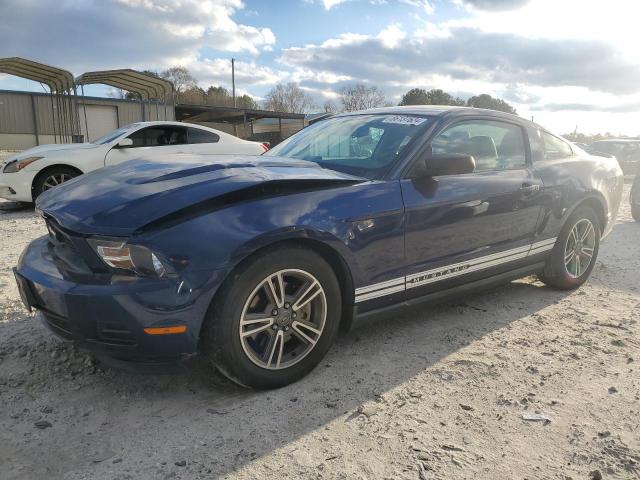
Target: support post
<point>35,120</point>
<point>244,125</point>
<point>233,80</point>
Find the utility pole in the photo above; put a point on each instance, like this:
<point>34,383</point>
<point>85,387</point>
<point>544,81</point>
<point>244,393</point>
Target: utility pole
<point>233,80</point>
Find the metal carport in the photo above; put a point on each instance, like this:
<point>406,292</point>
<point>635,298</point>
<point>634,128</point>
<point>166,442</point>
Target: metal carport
<point>62,88</point>
<point>148,87</point>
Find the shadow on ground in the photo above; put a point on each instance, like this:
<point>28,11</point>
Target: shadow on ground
<point>217,427</point>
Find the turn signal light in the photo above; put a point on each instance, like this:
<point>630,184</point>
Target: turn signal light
<point>165,330</point>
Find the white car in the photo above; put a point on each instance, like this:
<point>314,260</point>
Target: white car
<point>25,176</point>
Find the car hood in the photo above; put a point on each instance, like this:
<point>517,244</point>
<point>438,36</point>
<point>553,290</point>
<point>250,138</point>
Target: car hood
<point>138,195</point>
<point>45,149</point>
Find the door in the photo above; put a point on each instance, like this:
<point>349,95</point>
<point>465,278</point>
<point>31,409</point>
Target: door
<point>151,142</point>
<point>465,227</point>
<point>100,120</point>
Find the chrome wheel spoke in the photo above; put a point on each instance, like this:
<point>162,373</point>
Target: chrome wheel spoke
<point>258,324</point>
<point>580,248</point>
<point>299,330</point>
<point>587,232</point>
<point>283,319</point>
<point>587,251</point>
<point>574,235</point>
<point>276,289</point>
<point>568,258</point>
<point>276,347</point>
<point>307,295</point>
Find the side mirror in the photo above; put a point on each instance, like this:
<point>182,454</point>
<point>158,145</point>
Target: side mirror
<point>125,143</point>
<point>436,165</point>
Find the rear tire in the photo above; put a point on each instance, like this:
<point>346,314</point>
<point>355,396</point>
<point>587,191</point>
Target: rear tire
<point>52,177</point>
<point>258,337</point>
<point>575,252</point>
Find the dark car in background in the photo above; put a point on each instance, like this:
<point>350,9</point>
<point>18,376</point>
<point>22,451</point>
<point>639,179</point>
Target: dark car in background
<point>627,151</point>
<point>260,261</point>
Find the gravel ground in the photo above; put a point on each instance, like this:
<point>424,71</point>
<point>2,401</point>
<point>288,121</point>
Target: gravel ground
<point>519,382</point>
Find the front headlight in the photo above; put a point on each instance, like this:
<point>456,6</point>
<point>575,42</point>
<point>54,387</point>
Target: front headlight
<point>18,165</point>
<point>129,258</point>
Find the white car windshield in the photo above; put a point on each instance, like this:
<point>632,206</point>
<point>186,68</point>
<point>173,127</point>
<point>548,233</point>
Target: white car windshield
<point>109,137</point>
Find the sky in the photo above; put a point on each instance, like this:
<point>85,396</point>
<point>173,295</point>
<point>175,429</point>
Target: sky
<point>568,64</point>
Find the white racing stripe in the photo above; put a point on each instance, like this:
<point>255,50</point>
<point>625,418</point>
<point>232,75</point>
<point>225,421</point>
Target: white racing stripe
<point>401,284</point>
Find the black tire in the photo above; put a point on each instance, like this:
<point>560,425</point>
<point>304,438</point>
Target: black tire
<point>556,273</point>
<point>222,328</point>
<point>42,181</point>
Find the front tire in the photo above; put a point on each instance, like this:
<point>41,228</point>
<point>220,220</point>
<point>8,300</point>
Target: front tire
<point>52,177</point>
<point>575,252</point>
<point>274,319</point>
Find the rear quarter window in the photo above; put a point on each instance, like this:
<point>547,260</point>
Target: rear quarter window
<point>554,147</point>
<point>202,136</point>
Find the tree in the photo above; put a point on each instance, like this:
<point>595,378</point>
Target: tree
<point>288,98</point>
<point>418,96</point>
<point>181,78</point>
<point>361,97</point>
<point>329,107</point>
<point>219,97</point>
<point>415,96</point>
<point>193,96</point>
<point>490,103</point>
<point>245,101</point>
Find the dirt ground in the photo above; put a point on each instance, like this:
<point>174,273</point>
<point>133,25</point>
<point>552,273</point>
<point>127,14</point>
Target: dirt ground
<point>450,392</point>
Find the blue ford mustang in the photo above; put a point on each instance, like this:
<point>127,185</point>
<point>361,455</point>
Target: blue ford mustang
<point>259,261</point>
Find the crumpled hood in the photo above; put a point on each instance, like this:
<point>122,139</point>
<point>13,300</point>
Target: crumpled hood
<point>123,199</point>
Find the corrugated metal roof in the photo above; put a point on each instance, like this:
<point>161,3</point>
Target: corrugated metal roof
<point>148,86</point>
<point>57,79</point>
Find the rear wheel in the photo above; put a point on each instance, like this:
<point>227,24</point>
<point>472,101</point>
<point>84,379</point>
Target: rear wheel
<point>575,252</point>
<point>52,177</point>
<point>274,319</point>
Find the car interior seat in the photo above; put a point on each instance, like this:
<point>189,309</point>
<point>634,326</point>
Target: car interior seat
<point>511,149</point>
<point>483,149</point>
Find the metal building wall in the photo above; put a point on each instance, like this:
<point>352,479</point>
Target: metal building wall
<point>18,130</point>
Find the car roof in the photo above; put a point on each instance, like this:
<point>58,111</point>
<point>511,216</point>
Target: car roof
<point>220,133</point>
<point>440,110</point>
<point>618,140</point>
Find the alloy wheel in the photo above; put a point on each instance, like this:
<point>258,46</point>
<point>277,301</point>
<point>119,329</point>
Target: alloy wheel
<point>283,319</point>
<point>578,251</point>
<point>55,180</point>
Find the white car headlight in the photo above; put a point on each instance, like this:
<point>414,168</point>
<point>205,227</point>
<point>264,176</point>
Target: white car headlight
<point>17,165</point>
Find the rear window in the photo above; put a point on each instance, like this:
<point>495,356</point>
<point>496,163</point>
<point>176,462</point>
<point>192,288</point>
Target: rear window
<point>197,135</point>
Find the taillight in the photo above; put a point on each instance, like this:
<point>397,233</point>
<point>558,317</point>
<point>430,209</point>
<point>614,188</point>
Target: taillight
<point>266,146</point>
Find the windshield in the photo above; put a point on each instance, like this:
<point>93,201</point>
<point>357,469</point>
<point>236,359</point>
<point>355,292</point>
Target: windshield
<point>109,137</point>
<point>362,145</point>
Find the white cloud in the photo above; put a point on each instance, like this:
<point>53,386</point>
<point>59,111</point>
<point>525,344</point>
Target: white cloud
<point>392,36</point>
<point>329,4</point>
<point>87,35</point>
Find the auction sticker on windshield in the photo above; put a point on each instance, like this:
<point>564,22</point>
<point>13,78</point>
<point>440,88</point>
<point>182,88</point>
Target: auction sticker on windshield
<point>404,120</point>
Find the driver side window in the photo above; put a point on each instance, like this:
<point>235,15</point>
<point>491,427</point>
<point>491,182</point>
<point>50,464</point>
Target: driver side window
<point>493,145</point>
<point>159,136</point>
